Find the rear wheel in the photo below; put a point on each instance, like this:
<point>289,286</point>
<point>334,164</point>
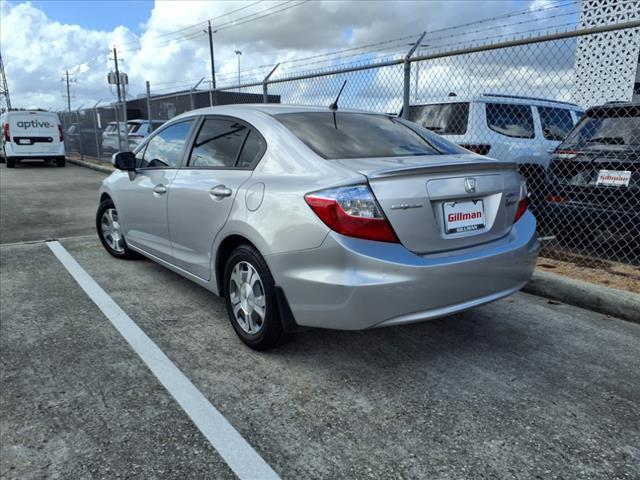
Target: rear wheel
<point>11,162</point>
<point>110,231</point>
<point>250,297</point>
<point>61,162</point>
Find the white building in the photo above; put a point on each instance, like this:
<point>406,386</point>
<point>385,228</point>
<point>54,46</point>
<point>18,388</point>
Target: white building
<point>607,65</point>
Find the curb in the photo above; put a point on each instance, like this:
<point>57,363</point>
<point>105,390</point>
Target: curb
<point>90,165</point>
<point>605,300</point>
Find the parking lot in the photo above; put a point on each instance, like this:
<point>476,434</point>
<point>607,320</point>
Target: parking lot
<point>521,388</point>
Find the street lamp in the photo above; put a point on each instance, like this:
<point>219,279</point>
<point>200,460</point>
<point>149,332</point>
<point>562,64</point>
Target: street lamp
<point>415,80</point>
<point>238,53</point>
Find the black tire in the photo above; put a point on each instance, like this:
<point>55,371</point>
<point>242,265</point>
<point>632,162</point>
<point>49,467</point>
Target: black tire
<point>11,162</point>
<point>270,334</point>
<point>126,253</point>
<point>61,162</point>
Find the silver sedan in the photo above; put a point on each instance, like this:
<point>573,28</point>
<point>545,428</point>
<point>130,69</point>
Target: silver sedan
<point>308,217</point>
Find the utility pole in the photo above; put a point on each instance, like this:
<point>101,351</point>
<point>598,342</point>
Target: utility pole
<point>122,98</point>
<point>68,93</point>
<point>213,65</point>
<point>5,101</point>
<point>238,53</point>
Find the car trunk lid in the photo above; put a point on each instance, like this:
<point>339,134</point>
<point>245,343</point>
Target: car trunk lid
<point>429,199</point>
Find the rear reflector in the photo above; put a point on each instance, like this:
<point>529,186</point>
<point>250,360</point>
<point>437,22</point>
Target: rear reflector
<point>352,211</point>
<point>523,202</point>
<point>480,149</point>
<point>7,137</point>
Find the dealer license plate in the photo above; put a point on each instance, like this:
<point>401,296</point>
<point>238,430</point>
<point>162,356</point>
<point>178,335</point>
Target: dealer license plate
<point>463,216</point>
<point>614,178</point>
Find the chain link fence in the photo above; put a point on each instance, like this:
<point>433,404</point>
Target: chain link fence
<point>550,104</point>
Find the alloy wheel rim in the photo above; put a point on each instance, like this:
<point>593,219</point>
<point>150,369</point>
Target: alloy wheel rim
<point>248,300</point>
<point>111,230</point>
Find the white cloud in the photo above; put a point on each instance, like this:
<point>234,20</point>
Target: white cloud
<point>36,50</point>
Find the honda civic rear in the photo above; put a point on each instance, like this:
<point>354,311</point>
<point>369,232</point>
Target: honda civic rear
<point>422,236</point>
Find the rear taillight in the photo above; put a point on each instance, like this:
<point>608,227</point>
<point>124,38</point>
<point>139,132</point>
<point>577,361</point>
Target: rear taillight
<point>352,211</point>
<point>523,202</point>
<point>480,149</point>
<point>7,136</point>
<point>551,198</point>
<point>61,133</point>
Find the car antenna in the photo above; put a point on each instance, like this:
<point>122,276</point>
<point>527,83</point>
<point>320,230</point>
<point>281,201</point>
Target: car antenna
<point>334,105</point>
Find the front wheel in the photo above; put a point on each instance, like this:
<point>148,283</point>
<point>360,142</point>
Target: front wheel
<point>250,297</point>
<point>110,231</point>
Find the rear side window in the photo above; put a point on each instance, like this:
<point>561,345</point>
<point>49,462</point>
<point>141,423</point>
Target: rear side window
<point>165,149</point>
<point>556,122</point>
<point>218,143</point>
<point>510,120</point>
<point>355,135</point>
<point>134,127</point>
<point>444,118</point>
<point>252,150</point>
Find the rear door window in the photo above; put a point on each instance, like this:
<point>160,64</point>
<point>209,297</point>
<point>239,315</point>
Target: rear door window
<point>218,144</point>
<point>510,120</point>
<point>444,118</point>
<point>556,122</point>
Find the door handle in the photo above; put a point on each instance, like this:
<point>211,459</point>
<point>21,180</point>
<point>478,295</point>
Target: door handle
<point>160,189</point>
<point>220,191</point>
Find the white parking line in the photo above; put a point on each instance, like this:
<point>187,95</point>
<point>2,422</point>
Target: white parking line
<point>235,450</point>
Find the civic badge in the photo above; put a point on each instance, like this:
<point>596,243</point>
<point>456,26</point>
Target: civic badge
<point>470,184</point>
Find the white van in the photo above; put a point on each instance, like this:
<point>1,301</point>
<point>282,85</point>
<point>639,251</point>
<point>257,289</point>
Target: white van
<point>525,130</point>
<point>31,135</point>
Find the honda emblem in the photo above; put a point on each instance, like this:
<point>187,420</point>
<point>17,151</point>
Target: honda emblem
<point>470,184</point>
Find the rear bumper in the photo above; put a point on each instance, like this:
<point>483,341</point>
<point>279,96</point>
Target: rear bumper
<point>353,284</point>
<point>592,218</point>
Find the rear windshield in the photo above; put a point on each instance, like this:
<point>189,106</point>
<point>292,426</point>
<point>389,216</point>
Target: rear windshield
<point>134,127</point>
<point>617,132</point>
<point>444,118</point>
<point>344,135</point>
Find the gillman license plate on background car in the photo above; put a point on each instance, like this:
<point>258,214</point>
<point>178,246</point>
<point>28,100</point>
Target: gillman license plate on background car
<point>614,178</point>
<point>463,216</point>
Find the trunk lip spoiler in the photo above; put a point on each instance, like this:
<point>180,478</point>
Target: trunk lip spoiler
<point>460,168</point>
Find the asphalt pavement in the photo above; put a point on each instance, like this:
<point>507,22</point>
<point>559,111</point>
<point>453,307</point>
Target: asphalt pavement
<point>521,388</point>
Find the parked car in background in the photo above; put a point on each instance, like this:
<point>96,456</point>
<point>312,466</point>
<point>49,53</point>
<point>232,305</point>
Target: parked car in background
<point>594,180</point>
<point>524,130</point>
<point>140,129</point>
<point>110,136</point>
<point>32,134</point>
<point>303,216</point>
<point>137,131</point>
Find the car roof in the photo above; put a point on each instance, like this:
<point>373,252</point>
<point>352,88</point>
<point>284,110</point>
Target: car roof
<point>267,108</point>
<point>502,98</point>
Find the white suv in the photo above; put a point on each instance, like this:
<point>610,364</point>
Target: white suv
<point>524,130</point>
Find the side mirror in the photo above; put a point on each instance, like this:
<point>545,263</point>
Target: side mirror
<point>124,161</point>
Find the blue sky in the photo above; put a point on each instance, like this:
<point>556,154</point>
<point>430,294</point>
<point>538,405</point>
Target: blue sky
<point>97,14</point>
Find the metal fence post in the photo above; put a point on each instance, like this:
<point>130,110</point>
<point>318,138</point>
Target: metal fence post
<point>407,77</point>
<point>79,133</point>
<point>95,128</point>
<point>265,88</point>
<point>149,114</point>
<point>193,105</point>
